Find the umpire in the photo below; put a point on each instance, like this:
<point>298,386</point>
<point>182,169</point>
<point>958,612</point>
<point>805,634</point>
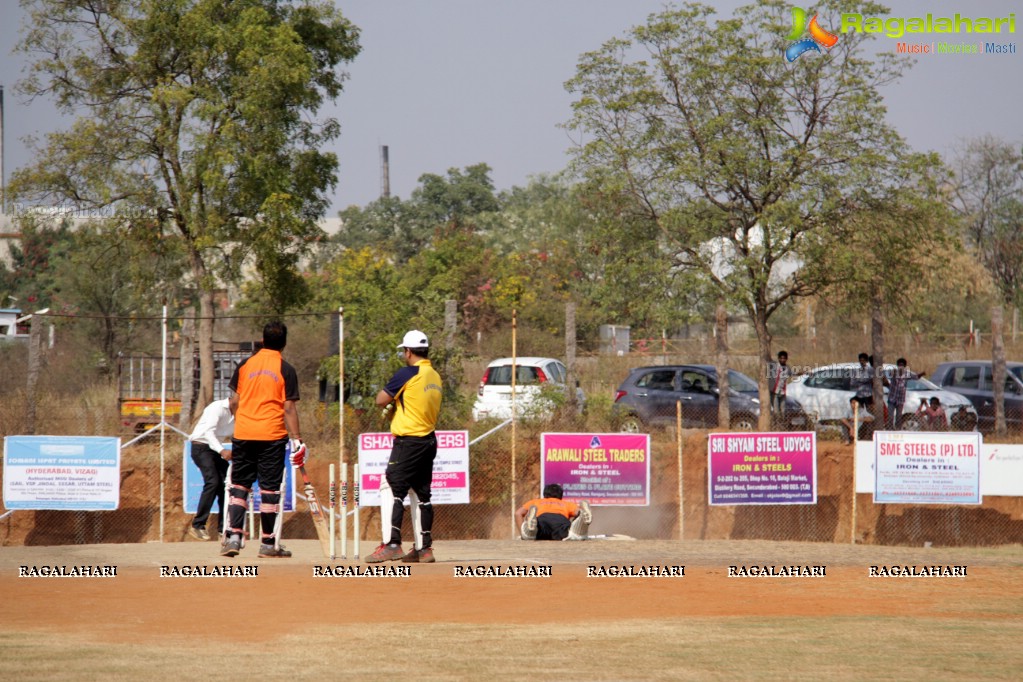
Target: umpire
<point>415,394</point>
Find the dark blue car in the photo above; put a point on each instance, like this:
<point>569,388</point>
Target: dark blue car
<point>649,395</point>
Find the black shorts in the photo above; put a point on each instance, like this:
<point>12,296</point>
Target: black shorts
<point>261,460</point>
<point>865,401</point>
<point>552,527</point>
<point>411,465</point>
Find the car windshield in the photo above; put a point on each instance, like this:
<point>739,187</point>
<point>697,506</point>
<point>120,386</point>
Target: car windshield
<point>741,383</point>
<point>501,375</point>
<point>921,384</point>
<point>1018,371</point>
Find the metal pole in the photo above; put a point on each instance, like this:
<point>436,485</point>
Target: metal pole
<point>514,371</point>
<point>3,178</point>
<point>678,429</point>
<point>855,440</point>
<point>341,429</point>
<point>163,419</point>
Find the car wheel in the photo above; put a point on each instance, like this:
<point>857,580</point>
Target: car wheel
<point>630,423</point>
<point>744,422</point>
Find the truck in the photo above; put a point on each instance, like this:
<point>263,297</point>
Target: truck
<point>140,379</point>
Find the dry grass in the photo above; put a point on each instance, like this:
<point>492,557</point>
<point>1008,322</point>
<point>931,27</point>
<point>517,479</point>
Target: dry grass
<point>693,649</point>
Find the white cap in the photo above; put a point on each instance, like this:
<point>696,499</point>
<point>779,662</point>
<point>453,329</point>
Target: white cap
<point>414,339</point>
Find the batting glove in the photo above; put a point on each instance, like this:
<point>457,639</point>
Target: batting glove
<point>298,452</point>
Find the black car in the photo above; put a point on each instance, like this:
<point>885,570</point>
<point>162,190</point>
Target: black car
<point>648,397</point>
<point>973,379</point>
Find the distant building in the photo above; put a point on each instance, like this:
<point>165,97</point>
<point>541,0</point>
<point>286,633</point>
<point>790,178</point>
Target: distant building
<point>9,326</point>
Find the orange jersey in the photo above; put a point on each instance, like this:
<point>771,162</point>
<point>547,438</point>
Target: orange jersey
<point>263,383</point>
<point>552,505</point>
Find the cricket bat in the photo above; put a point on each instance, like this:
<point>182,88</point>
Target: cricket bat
<point>317,512</point>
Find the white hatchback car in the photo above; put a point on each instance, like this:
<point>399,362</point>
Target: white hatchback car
<point>533,378</point>
<point>825,393</point>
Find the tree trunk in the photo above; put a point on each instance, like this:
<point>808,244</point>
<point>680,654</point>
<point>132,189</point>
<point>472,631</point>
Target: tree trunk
<point>877,350</point>
<point>721,345</point>
<point>187,370</point>
<point>570,349</point>
<point>205,396</point>
<point>34,360</point>
<point>764,345</point>
<point>998,369</point>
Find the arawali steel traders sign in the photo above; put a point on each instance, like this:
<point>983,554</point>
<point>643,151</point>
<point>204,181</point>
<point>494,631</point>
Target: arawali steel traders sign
<point>603,468</point>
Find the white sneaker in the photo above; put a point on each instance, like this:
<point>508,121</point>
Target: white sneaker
<point>529,525</point>
<point>581,524</point>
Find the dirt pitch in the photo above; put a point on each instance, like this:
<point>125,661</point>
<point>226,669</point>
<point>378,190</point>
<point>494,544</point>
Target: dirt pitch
<point>286,624</point>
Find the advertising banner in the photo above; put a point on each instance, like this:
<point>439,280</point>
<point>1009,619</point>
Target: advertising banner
<point>1001,469</point>
<point>608,469</point>
<point>192,482</point>
<point>762,468</point>
<point>922,467</point>
<point>450,470</point>
<point>62,472</point>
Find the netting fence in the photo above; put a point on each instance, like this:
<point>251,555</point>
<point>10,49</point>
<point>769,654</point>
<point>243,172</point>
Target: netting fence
<point>62,401</point>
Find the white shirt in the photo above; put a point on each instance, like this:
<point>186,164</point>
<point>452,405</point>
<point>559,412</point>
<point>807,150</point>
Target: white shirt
<point>215,425</point>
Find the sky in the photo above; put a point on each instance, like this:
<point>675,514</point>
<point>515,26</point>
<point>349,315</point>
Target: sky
<point>450,83</point>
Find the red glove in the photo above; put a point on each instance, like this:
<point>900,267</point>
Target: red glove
<point>298,452</point>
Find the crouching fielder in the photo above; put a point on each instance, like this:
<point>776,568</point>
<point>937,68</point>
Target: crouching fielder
<point>414,394</point>
<point>552,518</point>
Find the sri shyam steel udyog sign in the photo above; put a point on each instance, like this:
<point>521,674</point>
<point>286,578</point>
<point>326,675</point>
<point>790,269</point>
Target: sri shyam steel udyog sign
<point>927,468</point>
<point>607,469</point>
<point>81,473</point>
<point>762,468</point>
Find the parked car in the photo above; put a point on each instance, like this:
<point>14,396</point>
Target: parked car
<point>648,397</point>
<point>825,392</point>
<point>535,379</point>
<point>972,379</point>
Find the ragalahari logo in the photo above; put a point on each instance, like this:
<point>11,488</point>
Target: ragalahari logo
<point>818,36</point>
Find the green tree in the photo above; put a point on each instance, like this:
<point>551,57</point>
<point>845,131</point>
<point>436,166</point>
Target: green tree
<point>378,309</point>
<point>741,159</point>
<point>988,194</point>
<point>29,280</point>
<point>107,281</point>
<point>200,113</point>
<point>438,205</point>
<point>889,243</point>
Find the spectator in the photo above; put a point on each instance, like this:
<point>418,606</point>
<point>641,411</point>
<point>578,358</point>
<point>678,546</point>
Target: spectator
<point>778,374</point>
<point>896,382</point>
<point>932,417</point>
<point>863,381</point>
<point>858,416</point>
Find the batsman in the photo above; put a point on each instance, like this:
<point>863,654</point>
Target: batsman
<point>264,393</point>
<point>415,392</point>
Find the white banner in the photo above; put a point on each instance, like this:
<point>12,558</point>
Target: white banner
<point>450,470</point>
<point>1001,469</point>
<point>62,472</point>
<point>926,467</point>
